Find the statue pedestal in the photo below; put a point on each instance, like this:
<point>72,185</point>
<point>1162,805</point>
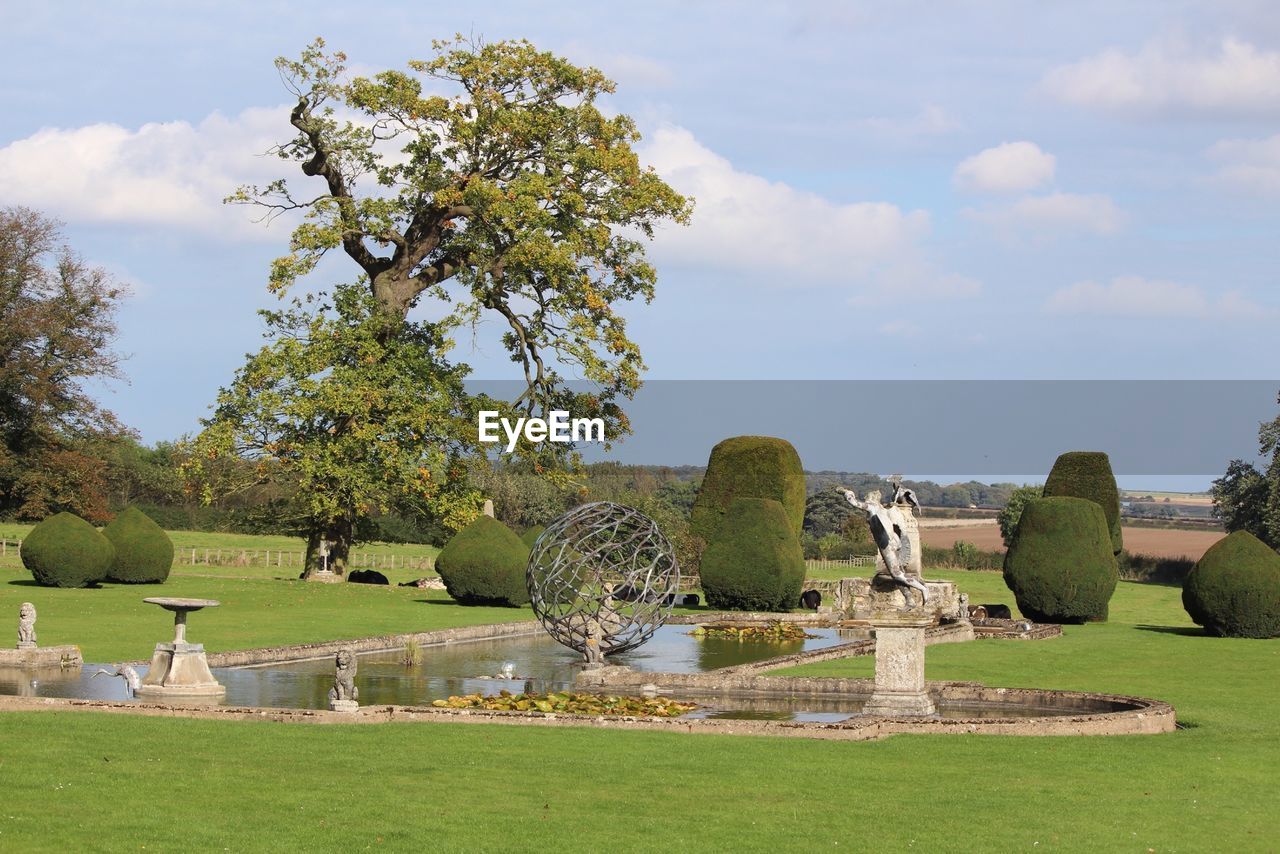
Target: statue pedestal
<point>344,706</point>
<point>179,671</point>
<point>861,598</point>
<point>900,688</point>
<point>325,576</point>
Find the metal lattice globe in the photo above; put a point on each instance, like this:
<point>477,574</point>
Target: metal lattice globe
<point>602,571</point>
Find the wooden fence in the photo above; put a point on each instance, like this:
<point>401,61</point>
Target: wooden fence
<point>823,563</point>
<point>270,557</point>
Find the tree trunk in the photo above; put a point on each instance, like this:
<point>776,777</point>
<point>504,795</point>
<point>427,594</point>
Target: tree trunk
<point>336,536</point>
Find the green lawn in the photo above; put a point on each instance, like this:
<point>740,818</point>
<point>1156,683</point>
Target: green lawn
<point>75,780</point>
<point>259,565</point>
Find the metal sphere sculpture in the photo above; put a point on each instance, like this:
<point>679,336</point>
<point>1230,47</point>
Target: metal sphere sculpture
<point>602,578</point>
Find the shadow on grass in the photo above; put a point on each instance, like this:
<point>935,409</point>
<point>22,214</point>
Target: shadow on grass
<point>1188,631</point>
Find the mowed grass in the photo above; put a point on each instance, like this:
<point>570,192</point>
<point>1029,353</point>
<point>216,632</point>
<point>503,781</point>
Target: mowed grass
<point>76,780</point>
<point>112,623</point>
<point>206,546</point>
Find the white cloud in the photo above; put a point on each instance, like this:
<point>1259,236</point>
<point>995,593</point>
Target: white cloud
<point>1251,165</point>
<point>932,120</point>
<point>167,173</point>
<point>1010,167</point>
<point>1135,296</point>
<point>1054,215</point>
<point>776,233</point>
<point>1168,77</point>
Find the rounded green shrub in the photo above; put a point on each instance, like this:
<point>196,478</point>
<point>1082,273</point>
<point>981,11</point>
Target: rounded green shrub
<point>66,551</point>
<point>144,552</point>
<point>754,561</point>
<point>749,467</point>
<point>1234,590</point>
<point>530,536</point>
<point>1087,474</point>
<point>484,564</point>
<point>1060,566</point>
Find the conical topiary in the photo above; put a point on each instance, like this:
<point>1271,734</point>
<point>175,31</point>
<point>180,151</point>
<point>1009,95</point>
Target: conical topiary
<point>530,536</point>
<point>1234,590</point>
<point>754,561</point>
<point>749,467</point>
<point>1060,566</point>
<point>66,551</point>
<point>1087,474</point>
<point>144,552</point>
<point>484,564</point>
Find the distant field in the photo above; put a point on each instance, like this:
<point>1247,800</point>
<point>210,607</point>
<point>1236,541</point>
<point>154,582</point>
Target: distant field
<point>1157,542</point>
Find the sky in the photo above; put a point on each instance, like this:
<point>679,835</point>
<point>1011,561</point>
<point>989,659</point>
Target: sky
<point>908,190</point>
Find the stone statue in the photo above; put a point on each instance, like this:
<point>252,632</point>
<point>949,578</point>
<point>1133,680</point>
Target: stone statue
<point>26,626</point>
<point>887,526</point>
<point>128,674</point>
<point>344,688</point>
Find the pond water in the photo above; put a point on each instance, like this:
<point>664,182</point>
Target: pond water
<point>537,664</point>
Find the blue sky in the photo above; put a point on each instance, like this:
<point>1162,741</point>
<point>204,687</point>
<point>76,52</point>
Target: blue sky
<point>976,190</point>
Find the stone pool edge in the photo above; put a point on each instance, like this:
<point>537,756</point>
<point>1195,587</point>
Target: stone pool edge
<point>1149,718</point>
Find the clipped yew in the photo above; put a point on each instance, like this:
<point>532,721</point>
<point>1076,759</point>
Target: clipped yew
<point>754,561</point>
<point>484,564</point>
<point>530,536</point>
<point>144,552</point>
<point>749,467</point>
<point>1234,590</point>
<point>1060,566</point>
<point>1087,474</point>
<point>66,551</point>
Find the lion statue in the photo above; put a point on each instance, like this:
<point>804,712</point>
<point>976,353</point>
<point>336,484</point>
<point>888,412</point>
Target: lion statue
<point>344,679</point>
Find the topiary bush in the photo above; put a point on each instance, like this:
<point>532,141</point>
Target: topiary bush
<point>1087,474</point>
<point>66,551</point>
<point>1234,590</point>
<point>1060,566</point>
<point>530,536</point>
<point>144,552</point>
<point>749,467</point>
<point>754,561</point>
<point>484,564</point>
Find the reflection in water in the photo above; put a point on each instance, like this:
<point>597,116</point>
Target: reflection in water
<point>542,665</point>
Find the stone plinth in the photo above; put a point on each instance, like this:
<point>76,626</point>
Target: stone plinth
<point>863,597</point>
<point>325,576</point>
<point>900,687</point>
<point>344,706</point>
<point>179,671</point>
<point>41,656</point>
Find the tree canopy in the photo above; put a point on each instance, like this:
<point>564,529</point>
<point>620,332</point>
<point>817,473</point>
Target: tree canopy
<point>484,181</point>
<point>57,335</point>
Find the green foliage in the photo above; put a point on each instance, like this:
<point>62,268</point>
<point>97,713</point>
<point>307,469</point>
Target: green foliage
<point>1012,510</point>
<point>1241,498</point>
<point>1087,474</point>
<point>1151,569</point>
<point>530,536</point>
<point>484,564</point>
<point>967,557</point>
<point>754,561</point>
<point>966,554</point>
<point>143,551</point>
<point>1234,590</point>
<point>749,467</point>
<point>569,703</point>
<point>1060,566</point>
<point>66,551</point>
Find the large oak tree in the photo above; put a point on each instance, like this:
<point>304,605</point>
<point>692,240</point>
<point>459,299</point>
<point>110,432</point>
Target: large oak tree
<point>485,180</point>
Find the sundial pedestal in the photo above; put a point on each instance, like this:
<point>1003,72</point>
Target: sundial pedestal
<point>900,686</point>
<point>179,671</point>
